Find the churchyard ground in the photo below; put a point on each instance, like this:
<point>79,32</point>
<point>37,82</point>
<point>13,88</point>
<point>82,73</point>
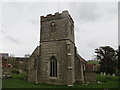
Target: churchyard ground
<point>17,81</point>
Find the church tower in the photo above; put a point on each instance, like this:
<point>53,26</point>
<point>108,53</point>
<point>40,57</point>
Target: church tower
<point>57,49</point>
<point>55,60</point>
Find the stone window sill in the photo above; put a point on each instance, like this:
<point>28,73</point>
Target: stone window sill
<point>53,77</point>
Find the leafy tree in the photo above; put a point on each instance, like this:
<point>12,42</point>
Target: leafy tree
<point>108,59</point>
<point>118,54</point>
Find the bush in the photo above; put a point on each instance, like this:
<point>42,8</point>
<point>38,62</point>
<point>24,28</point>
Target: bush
<point>19,76</point>
<point>15,71</point>
<point>106,78</point>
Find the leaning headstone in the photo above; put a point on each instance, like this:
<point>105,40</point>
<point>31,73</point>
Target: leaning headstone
<point>104,74</point>
<point>20,71</point>
<point>70,85</point>
<point>36,82</point>
<point>101,73</point>
<point>98,82</point>
<point>113,75</point>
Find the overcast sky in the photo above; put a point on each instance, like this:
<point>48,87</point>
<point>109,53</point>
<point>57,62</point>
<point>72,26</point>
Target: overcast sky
<point>96,24</point>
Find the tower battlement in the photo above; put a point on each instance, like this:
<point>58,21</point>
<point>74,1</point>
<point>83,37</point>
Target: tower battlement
<point>57,15</point>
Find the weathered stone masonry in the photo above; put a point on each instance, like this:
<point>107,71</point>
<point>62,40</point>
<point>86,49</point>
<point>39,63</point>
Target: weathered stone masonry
<point>56,60</point>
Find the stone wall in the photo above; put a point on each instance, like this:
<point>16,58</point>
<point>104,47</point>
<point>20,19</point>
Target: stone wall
<point>79,68</point>
<point>90,76</point>
<point>90,73</point>
<point>64,60</point>
<point>19,63</point>
<point>32,65</point>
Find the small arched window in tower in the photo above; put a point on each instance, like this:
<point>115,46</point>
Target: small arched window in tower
<point>53,67</point>
<point>68,46</point>
<point>53,27</point>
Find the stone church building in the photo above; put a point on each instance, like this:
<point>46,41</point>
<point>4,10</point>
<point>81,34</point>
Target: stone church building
<point>55,60</point>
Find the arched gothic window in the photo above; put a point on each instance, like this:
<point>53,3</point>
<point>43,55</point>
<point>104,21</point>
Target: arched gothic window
<point>53,67</point>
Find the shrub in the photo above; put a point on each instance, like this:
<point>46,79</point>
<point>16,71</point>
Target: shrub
<point>15,71</point>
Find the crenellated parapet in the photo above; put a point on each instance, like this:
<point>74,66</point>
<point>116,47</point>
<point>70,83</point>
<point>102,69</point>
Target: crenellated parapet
<point>57,15</point>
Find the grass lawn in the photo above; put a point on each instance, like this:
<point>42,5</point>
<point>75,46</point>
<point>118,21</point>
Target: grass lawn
<point>93,62</point>
<point>17,81</point>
